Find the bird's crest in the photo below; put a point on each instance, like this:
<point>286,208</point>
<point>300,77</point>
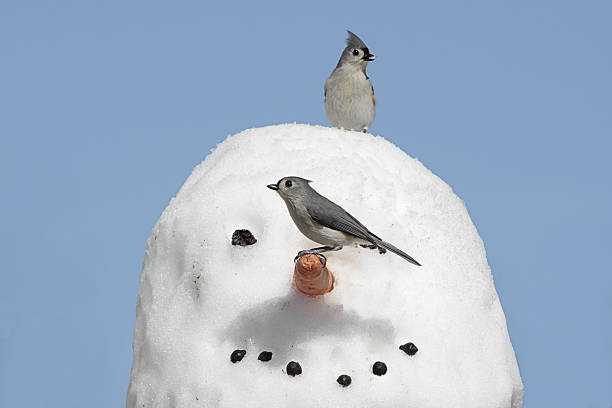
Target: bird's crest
<point>354,42</point>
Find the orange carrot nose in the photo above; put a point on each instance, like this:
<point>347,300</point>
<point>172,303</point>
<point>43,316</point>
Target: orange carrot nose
<point>311,277</point>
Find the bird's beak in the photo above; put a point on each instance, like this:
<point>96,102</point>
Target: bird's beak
<point>273,186</point>
<point>369,57</point>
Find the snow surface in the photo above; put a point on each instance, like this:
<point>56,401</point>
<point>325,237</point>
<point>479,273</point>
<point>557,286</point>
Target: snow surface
<point>201,298</point>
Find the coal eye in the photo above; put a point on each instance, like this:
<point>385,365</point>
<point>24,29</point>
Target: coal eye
<point>288,183</point>
<point>355,52</point>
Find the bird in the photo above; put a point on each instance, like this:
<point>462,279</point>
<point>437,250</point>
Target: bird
<point>349,94</point>
<point>325,222</point>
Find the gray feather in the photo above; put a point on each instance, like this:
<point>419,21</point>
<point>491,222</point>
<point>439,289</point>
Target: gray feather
<point>397,251</point>
<point>331,215</point>
<point>354,42</point>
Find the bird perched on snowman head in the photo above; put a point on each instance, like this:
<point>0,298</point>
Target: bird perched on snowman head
<point>325,222</point>
<point>349,94</point>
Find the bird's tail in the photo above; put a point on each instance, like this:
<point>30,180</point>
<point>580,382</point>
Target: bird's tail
<point>386,245</point>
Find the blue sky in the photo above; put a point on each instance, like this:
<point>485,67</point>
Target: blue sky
<point>107,106</point>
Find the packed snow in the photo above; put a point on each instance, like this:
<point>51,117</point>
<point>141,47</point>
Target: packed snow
<point>201,298</point>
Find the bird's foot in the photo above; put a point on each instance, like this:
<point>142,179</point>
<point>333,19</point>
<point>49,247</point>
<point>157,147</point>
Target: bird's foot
<point>322,257</point>
<point>318,251</point>
<point>381,250</point>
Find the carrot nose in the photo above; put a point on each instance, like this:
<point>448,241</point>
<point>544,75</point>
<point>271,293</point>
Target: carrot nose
<point>311,277</point>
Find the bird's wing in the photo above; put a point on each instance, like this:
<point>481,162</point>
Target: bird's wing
<point>373,98</point>
<point>335,217</point>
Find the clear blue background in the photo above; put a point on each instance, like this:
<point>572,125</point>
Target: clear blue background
<point>106,107</point>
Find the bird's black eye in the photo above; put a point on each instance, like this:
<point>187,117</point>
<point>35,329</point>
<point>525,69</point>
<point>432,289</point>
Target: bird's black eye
<point>355,52</point>
<point>288,183</point>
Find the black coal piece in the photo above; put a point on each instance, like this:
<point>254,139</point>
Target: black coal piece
<point>243,237</point>
<point>265,356</point>
<point>344,380</point>
<point>379,368</point>
<point>294,369</point>
<point>237,355</point>
<point>409,348</point>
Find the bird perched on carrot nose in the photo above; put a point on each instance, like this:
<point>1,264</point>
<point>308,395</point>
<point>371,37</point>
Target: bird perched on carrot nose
<point>326,222</point>
<point>349,94</point>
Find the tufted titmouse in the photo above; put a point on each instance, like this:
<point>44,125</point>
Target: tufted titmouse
<point>349,94</point>
<point>325,222</point>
